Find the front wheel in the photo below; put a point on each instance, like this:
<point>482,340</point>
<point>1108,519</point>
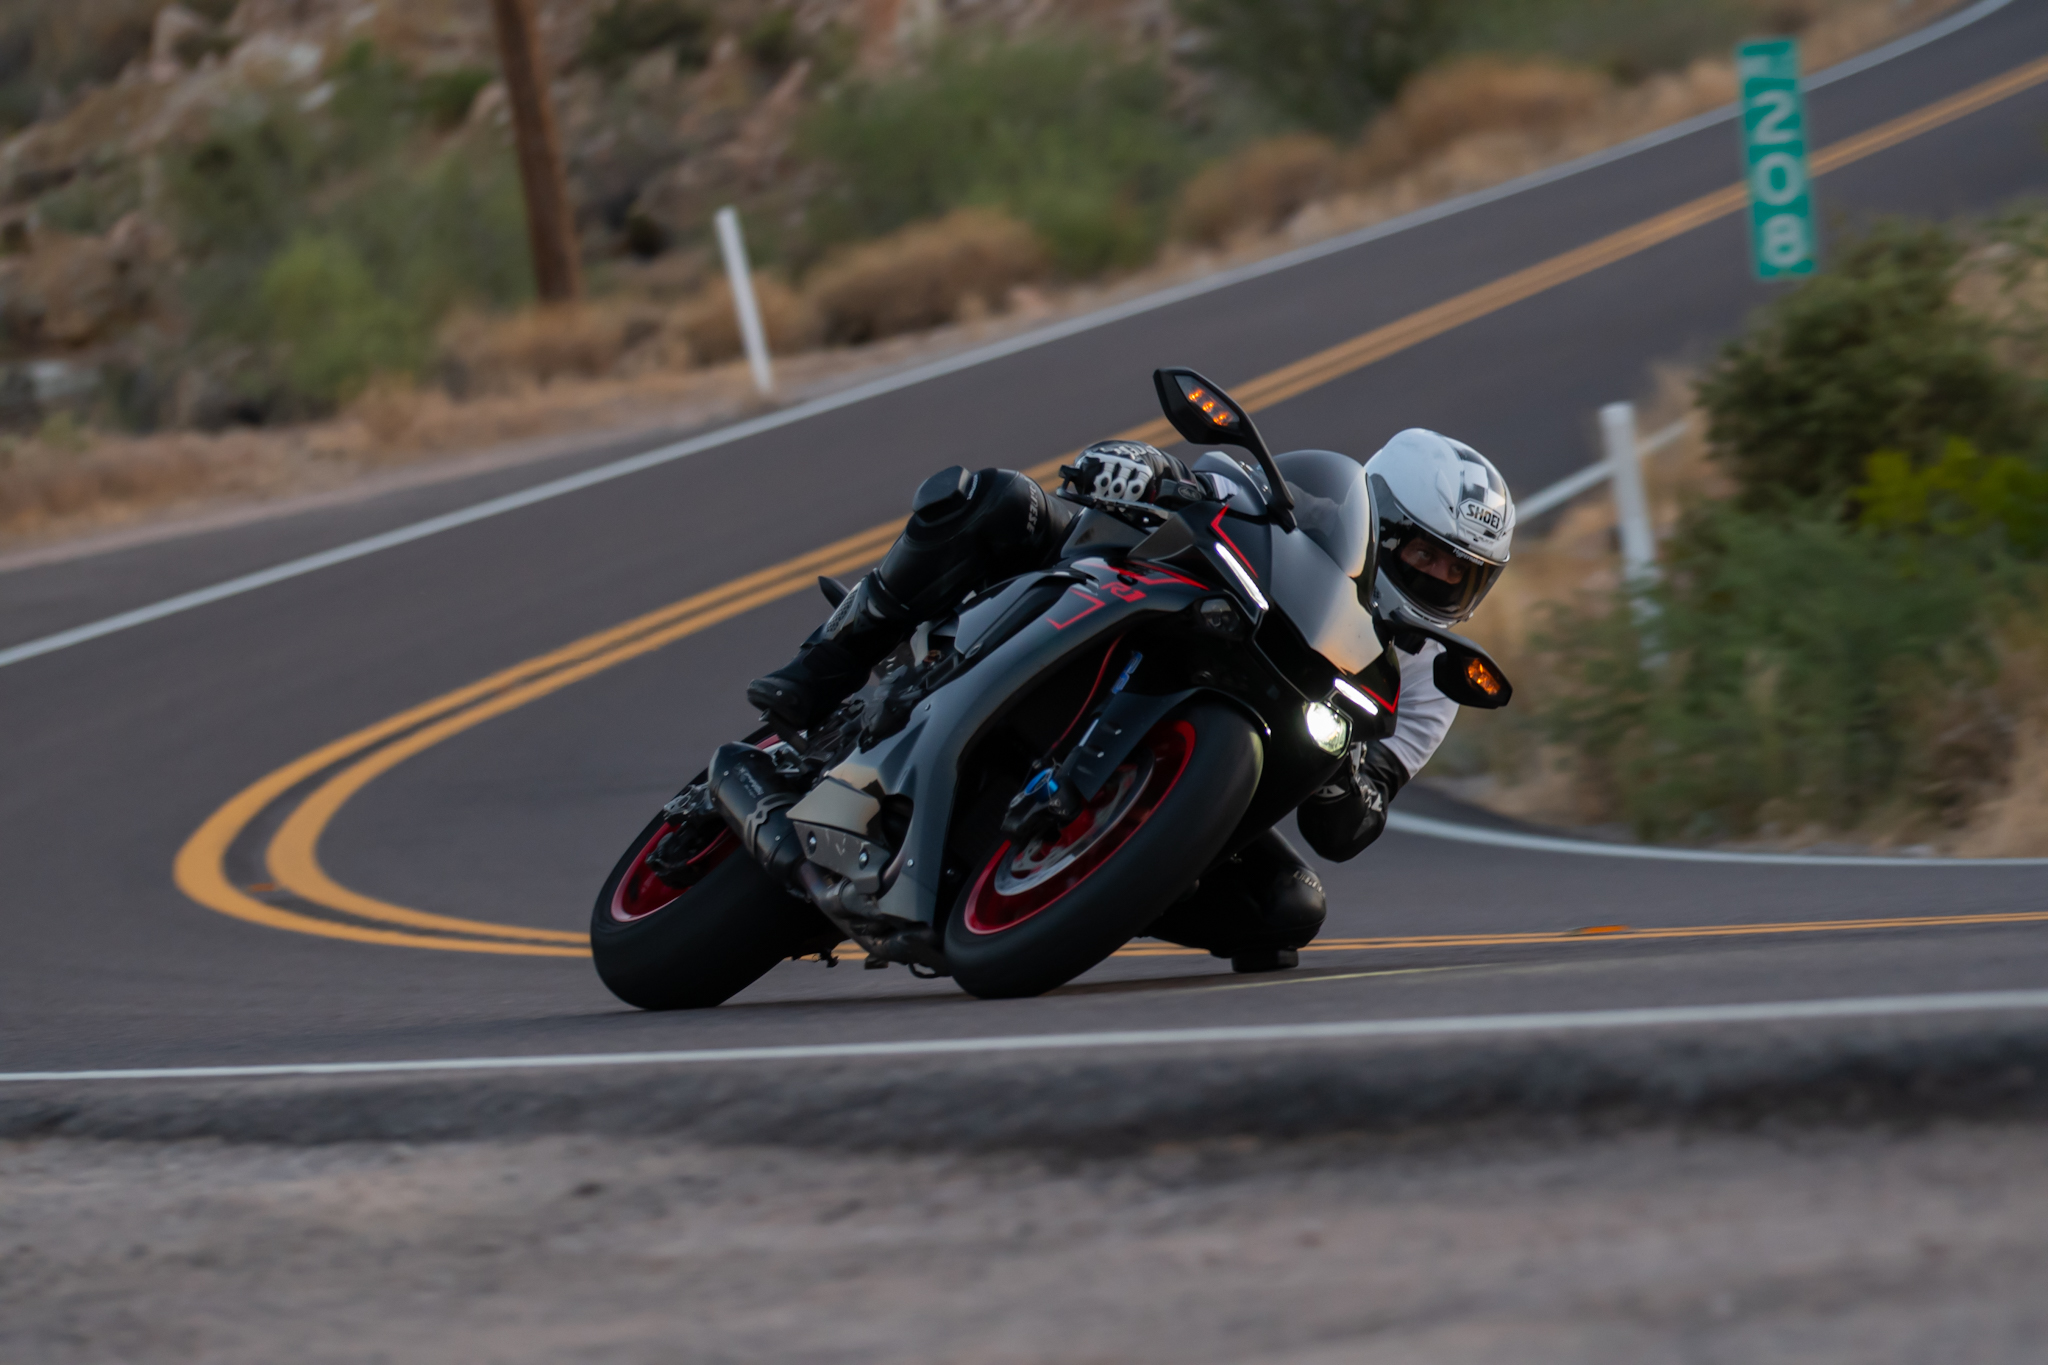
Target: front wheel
<point>1036,917</point>
<point>659,948</point>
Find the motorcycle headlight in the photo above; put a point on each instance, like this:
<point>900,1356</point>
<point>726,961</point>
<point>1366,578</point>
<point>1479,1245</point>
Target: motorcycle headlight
<point>1327,727</point>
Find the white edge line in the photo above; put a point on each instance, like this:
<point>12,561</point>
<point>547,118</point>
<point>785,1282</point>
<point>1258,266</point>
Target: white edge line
<point>1430,828</point>
<point>1782,1011</point>
<point>341,554</point>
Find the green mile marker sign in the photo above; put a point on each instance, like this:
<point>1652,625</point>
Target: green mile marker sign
<point>1774,146</point>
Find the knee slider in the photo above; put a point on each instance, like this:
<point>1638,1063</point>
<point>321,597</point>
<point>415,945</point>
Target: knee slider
<point>1294,900</point>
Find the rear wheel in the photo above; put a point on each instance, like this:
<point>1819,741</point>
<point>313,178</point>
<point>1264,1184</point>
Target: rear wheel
<point>659,948</point>
<point>1035,917</point>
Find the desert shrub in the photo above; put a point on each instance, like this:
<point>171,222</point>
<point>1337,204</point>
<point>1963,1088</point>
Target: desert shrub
<point>1783,680</point>
<point>1255,189</point>
<point>279,203</point>
<point>2000,501</point>
<point>332,327</point>
<point>1065,136</point>
<point>711,329</point>
<point>445,97</point>
<point>1629,39</point>
<point>771,42</point>
<point>92,203</point>
<point>244,185</point>
<point>1491,94</point>
<point>497,351</point>
<point>626,30</point>
<point>1328,65</point>
<point>924,275</point>
<point>1871,354</point>
<point>449,231</point>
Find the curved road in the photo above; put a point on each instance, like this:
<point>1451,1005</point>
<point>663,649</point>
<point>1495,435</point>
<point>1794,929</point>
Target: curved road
<point>432,882</point>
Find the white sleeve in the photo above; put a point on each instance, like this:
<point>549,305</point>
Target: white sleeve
<point>1424,714</point>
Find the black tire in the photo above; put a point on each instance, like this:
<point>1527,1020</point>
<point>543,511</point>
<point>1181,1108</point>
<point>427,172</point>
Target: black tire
<point>712,941</point>
<point>1116,885</point>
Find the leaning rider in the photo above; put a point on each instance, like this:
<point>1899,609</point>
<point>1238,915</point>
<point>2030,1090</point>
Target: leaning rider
<point>968,531</point>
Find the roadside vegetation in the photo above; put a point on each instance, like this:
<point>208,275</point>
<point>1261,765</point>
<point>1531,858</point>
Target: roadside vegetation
<point>1850,633</point>
<point>247,217</point>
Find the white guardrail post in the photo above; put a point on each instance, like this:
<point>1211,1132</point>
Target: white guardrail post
<point>1631,505</point>
<point>741,275</point>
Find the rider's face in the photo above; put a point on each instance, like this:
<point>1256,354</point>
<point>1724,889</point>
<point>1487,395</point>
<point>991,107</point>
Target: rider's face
<point>1433,560</point>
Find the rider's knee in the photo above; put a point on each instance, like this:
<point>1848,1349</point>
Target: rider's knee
<point>966,530</point>
<point>1263,897</point>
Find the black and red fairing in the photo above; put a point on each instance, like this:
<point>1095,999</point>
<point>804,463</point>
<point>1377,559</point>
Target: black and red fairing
<point>1082,613</point>
<point>1312,627</point>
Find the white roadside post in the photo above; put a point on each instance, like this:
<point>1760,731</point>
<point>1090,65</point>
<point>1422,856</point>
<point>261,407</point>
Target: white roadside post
<point>1631,505</point>
<point>741,275</point>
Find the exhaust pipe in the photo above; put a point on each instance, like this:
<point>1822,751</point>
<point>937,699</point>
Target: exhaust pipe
<point>754,799</point>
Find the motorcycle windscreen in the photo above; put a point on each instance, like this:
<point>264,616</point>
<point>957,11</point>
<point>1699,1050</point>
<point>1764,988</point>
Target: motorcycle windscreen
<point>1322,601</point>
<point>1316,570</point>
<point>1333,506</point>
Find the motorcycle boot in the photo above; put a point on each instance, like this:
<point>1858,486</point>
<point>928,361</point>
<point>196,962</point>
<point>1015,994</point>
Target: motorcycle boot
<point>966,530</point>
<point>1258,907</point>
<point>832,664</point>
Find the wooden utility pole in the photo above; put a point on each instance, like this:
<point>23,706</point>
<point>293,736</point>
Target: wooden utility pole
<point>550,225</point>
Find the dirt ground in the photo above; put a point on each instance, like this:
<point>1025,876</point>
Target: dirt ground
<point>1813,1247</point>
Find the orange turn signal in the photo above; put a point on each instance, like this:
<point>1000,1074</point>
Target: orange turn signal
<point>1482,677</point>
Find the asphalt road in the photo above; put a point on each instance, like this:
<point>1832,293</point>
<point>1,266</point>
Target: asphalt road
<point>116,750</point>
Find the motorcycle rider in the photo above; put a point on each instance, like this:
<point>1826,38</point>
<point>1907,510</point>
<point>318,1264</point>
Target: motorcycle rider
<point>1443,520</point>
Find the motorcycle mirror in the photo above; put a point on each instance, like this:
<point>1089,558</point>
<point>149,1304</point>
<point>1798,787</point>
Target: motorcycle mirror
<point>1206,415</point>
<point>1469,678</point>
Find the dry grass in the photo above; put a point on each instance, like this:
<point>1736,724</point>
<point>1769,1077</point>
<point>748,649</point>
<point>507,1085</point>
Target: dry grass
<point>1532,100</point>
<point>2014,823</point>
<point>1257,189</point>
<point>927,274</point>
<point>710,327</point>
<point>503,353</point>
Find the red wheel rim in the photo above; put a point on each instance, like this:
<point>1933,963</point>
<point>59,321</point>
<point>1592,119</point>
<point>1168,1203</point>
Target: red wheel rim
<point>640,892</point>
<point>1018,884</point>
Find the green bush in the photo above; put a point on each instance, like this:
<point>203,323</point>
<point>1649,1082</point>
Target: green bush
<point>333,328</point>
<point>1067,137</point>
<point>282,205</point>
<point>626,30</point>
<point>1322,64</point>
<point>449,232</point>
<point>1871,354</point>
<point>446,96</point>
<point>772,43</point>
<point>1965,495</point>
<point>1785,677</point>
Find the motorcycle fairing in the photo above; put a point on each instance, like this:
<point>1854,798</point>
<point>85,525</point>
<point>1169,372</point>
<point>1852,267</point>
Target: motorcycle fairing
<point>922,760</point>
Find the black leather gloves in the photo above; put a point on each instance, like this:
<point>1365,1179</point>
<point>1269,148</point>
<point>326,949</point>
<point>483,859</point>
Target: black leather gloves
<point>1341,820</point>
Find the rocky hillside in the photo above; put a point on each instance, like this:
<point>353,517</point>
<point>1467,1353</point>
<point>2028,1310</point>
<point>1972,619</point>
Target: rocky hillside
<point>217,213</point>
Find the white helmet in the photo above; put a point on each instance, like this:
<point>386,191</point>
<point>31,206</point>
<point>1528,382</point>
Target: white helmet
<point>1446,494</point>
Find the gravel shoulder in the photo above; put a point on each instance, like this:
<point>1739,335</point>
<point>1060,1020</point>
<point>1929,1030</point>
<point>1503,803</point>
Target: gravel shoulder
<point>1658,1245</point>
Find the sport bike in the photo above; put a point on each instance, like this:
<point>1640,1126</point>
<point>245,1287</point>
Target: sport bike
<point>1031,781</point>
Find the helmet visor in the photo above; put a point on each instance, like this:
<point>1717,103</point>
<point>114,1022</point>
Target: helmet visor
<point>1442,580</point>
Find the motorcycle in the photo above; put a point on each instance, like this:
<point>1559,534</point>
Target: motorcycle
<point>1033,780</point>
